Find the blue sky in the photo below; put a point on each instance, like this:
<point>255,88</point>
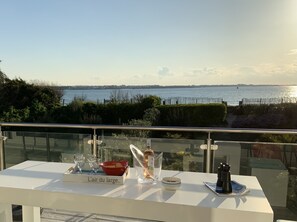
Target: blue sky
<point>138,42</point>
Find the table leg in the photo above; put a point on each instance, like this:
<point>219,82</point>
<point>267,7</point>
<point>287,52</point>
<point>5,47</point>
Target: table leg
<point>31,214</point>
<point>5,212</point>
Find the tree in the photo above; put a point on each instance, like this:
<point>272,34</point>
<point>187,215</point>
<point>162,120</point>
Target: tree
<point>3,77</point>
<point>40,100</point>
<point>15,115</point>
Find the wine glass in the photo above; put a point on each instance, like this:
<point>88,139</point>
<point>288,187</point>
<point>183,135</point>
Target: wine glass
<point>93,163</point>
<point>79,161</point>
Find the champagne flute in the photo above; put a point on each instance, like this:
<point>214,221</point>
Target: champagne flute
<point>79,161</point>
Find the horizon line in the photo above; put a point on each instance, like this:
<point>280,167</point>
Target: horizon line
<point>167,86</point>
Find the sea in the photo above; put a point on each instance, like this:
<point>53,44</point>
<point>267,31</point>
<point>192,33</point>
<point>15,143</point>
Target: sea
<point>232,95</point>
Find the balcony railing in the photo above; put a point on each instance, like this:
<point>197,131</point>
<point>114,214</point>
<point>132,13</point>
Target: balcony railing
<point>184,148</point>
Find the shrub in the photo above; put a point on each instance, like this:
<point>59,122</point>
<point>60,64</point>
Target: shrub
<point>193,115</point>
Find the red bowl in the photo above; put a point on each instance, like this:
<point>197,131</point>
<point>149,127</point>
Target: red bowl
<point>115,168</point>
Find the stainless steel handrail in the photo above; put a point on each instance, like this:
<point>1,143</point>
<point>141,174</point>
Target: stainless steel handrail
<point>95,127</point>
<point>153,128</point>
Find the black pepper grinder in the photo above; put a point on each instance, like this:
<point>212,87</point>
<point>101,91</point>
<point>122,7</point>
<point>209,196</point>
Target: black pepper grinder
<point>219,181</point>
<point>226,179</point>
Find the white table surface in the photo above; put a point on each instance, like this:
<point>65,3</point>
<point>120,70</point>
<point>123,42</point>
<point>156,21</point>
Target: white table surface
<point>35,183</point>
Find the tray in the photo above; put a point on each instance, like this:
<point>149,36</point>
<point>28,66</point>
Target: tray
<point>237,189</point>
<point>72,175</point>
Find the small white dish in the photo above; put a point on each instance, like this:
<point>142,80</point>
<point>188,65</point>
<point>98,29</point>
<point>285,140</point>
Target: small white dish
<point>171,183</point>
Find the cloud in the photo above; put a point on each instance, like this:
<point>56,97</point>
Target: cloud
<point>293,52</point>
<point>164,71</point>
<point>282,69</point>
<point>95,78</point>
<point>136,76</point>
<point>206,71</point>
<point>140,76</point>
<point>263,73</point>
<point>247,70</point>
<point>266,73</point>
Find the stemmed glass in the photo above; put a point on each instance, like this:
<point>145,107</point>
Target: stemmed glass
<point>79,161</point>
<point>93,163</point>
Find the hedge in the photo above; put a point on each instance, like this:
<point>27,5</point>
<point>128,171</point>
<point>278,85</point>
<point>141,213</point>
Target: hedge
<point>198,115</point>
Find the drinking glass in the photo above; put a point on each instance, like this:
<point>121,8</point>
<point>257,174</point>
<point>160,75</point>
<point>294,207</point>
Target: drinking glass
<point>93,163</point>
<point>79,161</point>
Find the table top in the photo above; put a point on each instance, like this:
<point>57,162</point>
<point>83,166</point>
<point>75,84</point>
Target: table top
<point>36,183</point>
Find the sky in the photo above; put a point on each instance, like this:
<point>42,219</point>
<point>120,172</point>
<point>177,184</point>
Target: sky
<point>148,42</point>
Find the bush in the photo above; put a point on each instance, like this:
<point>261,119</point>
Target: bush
<point>274,116</point>
<point>15,115</point>
<point>193,115</point>
<point>152,115</point>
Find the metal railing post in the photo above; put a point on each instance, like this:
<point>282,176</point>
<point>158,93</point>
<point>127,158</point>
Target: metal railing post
<point>95,153</point>
<point>1,151</point>
<point>2,159</point>
<point>208,154</point>
<point>48,148</point>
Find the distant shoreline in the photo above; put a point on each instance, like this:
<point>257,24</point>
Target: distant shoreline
<point>232,94</point>
<point>78,87</point>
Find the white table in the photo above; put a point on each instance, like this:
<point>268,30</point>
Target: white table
<point>35,184</point>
